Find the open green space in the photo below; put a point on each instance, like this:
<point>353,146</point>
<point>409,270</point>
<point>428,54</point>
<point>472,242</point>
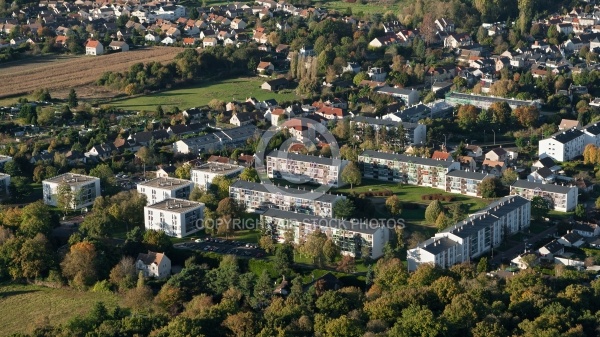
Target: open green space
<point>24,306</point>
<point>357,7</point>
<point>202,93</point>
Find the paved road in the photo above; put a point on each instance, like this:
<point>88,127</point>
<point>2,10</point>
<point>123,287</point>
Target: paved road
<point>520,246</point>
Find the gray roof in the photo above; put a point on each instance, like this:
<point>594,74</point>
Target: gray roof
<point>395,91</point>
<point>593,129</point>
<point>438,245</point>
<point>383,122</point>
<point>234,134</point>
<point>544,172</point>
<point>567,136</point>
<point>176,205</point>
<point>554,247</point>
<point>488,99</point>
<point>547,162</point>
<point>166,183</point>
<point>71,179</point>
<point>544,187</point>
<point>468,175</point>
<point>407,159</point>
<point>297,192</point>
<point>572,237</point>
<point>306,158</point>
<point>322,221</point>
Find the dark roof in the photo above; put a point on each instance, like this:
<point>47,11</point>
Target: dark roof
<point>584,226</point>
<point>547,162</point>
<point>322,221</point>
<point>572,237</point>
<point>593,129</point>
<point>499,151</point>
<point>544,187</point>
<point>544,172</point>
<point>439,245</point>
<point>567,135</point>
<point>468,175</point>
<point>306,158</point>
<point>277,82</point>
<point>406,159</point>
<point>297,192</point>
<point>554,247</point>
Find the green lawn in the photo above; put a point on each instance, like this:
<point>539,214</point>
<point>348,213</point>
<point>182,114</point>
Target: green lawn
<point>368,8</point>
<point>25,305</point>
<point>202,93</point>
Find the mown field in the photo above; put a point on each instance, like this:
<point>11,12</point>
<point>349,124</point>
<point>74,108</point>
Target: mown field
<point>202,93</point>
<point>357,7</point>
<point>24,306</point>
<point>59,73</point>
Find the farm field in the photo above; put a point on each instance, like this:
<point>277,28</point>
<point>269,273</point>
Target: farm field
<point>202,93</point>
<point>59,73</point>
<point>23,306</point>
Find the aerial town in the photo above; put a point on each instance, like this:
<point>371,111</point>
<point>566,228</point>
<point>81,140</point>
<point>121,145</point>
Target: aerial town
<point>338,168</point>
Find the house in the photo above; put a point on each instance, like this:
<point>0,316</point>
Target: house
<point>209,42</point>
<point>118,45</point>
<point>353,67</point>
<point>591,134</point>
<point>151,38</point>
<point>305,168</point>
<point>94,47</point>
<point>571,239</point>
<point>153,264</point>
<point>561,198</point>
<point>218,140</point>
<point>275,85</point>
<point>84,189</point>
<point>473,150</point>
<point>493,167</point>
<point>467,163</point>
<point>563,145</point>
<point>168,40</point>
<point>497,154</point>
<point>445,25</point>
<point>568,124</point>
<point>456,40</point>
<point>238,23</point>
<point>202,176</point>
<point>265,68</point>
<point>166,171</point>
<point>442,155</point>
<point>377,74</point>
<point>545,162</point>
<point>246,160</point>
<point>240,119</point>
<point>519,261</point>
<point>144,138</point>
<point>176,217</point>
<point>102,151</point>
<point>542,175</point>
<point>552,249</point>
<point>159,189</point>
<point>586,229</point>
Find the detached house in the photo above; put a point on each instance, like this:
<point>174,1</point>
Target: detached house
<point>153,264</point>
<point>94,47</point>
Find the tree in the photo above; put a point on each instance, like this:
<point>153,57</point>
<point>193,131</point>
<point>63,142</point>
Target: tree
<point>428,29</point>
<point>183,172</point>
<point>346,265</point>
<point>106,175</point>
<point>36,218</point>
<point>124,274</point>
<point>157,241</point>
<point>525,15</point>
<point>394,205</point>
<point>266,243</point>
<point>442,222</point>
<point>250,174</point>
<point>526,115</point>
<point>580,211</point>
<point>361,76</point>
<point>351,175</point>
<point>418,321</point>
<point>79,265</point>
<point>330,251</point>
<point>489,188</point>
<point>220,186</point>
<point>241,324</point>
<point>313,247</point>
<point>597,203</point>
<point>433,210</point>
<point>284,257</point>
<point>467,116</point>
<point>482,265</point>
<point>72,100</point>
<point>343,209</point>
<point>342,327</point>
<point>98,224</point>
<point>509,177</point>
<point>539,207</point>
<point>35,257</point>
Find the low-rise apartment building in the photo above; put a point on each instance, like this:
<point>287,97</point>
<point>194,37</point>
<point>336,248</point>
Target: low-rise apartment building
<point>474,236</point>
<point>465,182</point>
<point>354,238</point>
<point>257,197</point>
<point>414,133</point>
<point>159,189</point>
<point>563,145</point>
<point>84,189</point>
<point>176,217</point>
<point>203,175</point>
<point>303,168</point>
<point>562,198</point>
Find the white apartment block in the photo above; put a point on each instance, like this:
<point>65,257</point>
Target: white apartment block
<point>159,189</point>
<point>564,145</point>
<point>465,182</point>
<point>4,183</point>
<point>402,168</point>
<point>176,217</point>
<point>258,197</point>
<point>592,134</point>
<point>353,238</point>
<point>414,133</point>
<point>84,189</point>
<point>202,176</point>
<point>562,198</point>
<point>475,236</point>
<point>301,168</point>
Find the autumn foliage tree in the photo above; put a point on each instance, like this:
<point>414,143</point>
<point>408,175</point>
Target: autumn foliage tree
<point>526,115</point>
<point>591,155</point>
<point>467,116</point>
<point>79,265</point>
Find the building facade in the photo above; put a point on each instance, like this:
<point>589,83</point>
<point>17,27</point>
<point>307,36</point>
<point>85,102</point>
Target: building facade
<point>484,102</point>
<point>153,264</point>
<point>219,140</point>
<point>564,145</point>
<point>176,217</point>
<point>84,189</point>
<point>305,168</point>
<point>414,133</point>
<point>561,198</point>
<point>159,189</point>
<point>465,182</point>
<point>202,176</point>
<point>353,238</point>
<point>474,236</point>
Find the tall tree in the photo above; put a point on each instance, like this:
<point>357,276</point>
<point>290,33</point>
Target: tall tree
<point>394,205</point>
<point>539,207</point>
<point>80,264</point>
<point>351,175</point>
<point>72,100</point>
<point>433,210</point>
<point>343,209</point>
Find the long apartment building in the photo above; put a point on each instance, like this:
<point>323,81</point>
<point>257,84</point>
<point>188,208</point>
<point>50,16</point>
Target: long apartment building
<point>203,175</point>
<point>176,217</point>
<point>402,168</point>
<point>301,168</point>
<point>218,140</point>
<point>84,189</point>
<point>562,198</point>
<point>414,133</point>
<point>474,236</point>
<point>484,102</point>
<point>353,238</point>
<point>465,182</point>
<point>257,197</point>
<point>159,189</point>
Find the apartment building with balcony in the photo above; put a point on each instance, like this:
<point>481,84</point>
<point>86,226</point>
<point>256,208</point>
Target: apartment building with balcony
<point>257,197</point>
<point>84,189</point>
<point>402,168</point>
<point>414,133</point>
<point>563,145</point>
<point>354,238</point>
<point>474,236</point>
<point>159,189</point>
<point>562,198</point>
<point>303,168</point>
<point>176,217</point>
<point>465,182</point>
<point>203,175</point>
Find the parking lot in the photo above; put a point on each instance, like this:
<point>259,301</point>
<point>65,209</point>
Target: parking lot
<point>222,246</point>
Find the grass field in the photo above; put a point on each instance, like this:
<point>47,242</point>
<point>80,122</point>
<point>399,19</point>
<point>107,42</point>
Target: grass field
<point>368,8</point>
<point>201,94</point>
<point>22,306</point>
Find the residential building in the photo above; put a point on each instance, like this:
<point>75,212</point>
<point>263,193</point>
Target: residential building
<point>568,124</point>
<point>591,134</point>
<point>202,176</point>
<point>159,189</point>
<point>484,102</point>
<point>257,197</point>
<point>410,97</point>
<point>353,238</point>
<point>414,133</point>
<point>407,169</point>
<point>94,47</point>
<point>156,265</point>
<point>119,45</point>
<point>564,145</point>
<point>305,168</point>
<point>571,239</point>
<point>465,182</point>
<point>552,249</point>
<point>497,154</point>
<point>542,175</point>
<point>545,162</point>
<point>474,236</point>
<point>561,198</point>
<point>586,229</point>
<point>176,217</point>
<point>377,74</point>
<point>218,140</point>
<point>84,189</point>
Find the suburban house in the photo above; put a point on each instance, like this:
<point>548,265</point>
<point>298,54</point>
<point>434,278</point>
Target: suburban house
<point>222,139</point>
<point>265,68</point>
<point>545,162</point>
<point>94,47</point>
<point>302,168</point>
<point>118,46</point>
<point>563,145</point>
<point>159,189</point>
<point>176,217</point>
<point>442,155</point>
<point>497,154</point>
<point>561,198</point>
<point>165,171</point>
<point>84,189</point>
<point>542,175</point>
<point>586,229</point>
<point>353,238</point>
<point>552,249</point>
<point>474,150</point>
<point>474,236</point>
<point>572,239</point>
<point>203,175</point>
<point>275,85</point>
<point>153,264</point>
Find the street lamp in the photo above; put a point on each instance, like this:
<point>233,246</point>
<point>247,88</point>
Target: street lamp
<point>494,131</point>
